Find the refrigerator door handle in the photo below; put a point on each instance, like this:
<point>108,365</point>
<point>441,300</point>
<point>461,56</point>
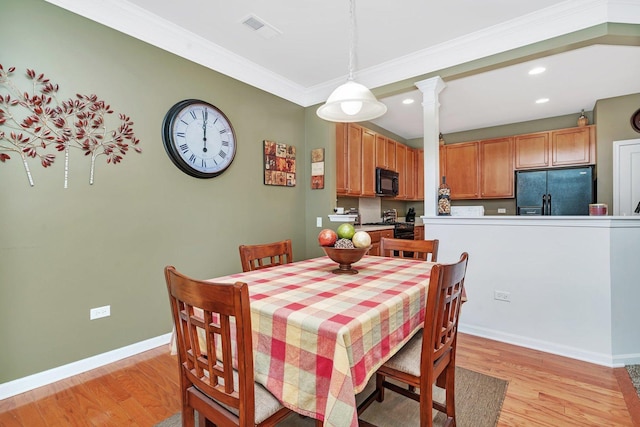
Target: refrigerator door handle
<point>544,204</point>
<point>548,204</point>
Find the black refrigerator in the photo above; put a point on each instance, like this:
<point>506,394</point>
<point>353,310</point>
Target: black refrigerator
<point>555,191</point>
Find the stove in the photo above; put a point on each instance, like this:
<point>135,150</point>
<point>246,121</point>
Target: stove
<point>401,230</point>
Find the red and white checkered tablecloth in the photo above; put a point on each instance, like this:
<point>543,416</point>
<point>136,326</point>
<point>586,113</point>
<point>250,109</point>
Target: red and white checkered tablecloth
<point>318,337</point>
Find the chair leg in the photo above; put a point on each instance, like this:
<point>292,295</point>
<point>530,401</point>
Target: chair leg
<point>451,395</point>
<point>380,387</point>
<point>426,407</point>
<point>188,417</point>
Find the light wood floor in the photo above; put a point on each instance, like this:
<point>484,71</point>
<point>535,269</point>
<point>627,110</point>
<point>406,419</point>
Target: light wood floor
<point>544,390</point>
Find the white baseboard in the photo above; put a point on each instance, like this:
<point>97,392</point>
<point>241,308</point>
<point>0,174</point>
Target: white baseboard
<point>40,379</point>
<point>609,360</point>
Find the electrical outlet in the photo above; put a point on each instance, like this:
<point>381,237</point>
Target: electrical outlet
<point>319,222</point>
<point>502,210</point>
<point>99,312</point>
<point>502,296</point>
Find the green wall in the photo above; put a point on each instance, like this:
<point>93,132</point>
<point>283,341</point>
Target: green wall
<point>613,119</point>
<point>64,251</point>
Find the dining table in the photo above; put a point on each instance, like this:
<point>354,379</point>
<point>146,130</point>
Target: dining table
<point>318,337</point>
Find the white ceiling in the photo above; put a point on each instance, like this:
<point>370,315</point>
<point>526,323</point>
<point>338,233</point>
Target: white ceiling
<point>308,55</point>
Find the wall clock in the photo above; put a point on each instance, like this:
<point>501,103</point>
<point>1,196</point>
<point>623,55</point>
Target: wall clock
<point>635,121</point>
<point>198,138</point>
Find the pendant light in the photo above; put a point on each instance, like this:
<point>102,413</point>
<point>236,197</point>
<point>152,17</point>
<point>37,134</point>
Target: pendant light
<point>351,102</point>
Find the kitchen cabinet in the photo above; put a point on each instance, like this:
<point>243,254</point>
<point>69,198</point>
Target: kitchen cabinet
<point>355,153</point>
<point>360,150</point>
<point>556,148</point>
<point>411,174</point>
<point>375,240</point>
<point>418,232</point>
<point>479,169</point>
<point>368,163</point>
<point>420,174</point>
<point>385,152</point>
<point>574,146</point>
<point>341,159</point>
<point>532,150</point>
<point>461,169</point>
<point>496,168</point>
<point>401,168</point>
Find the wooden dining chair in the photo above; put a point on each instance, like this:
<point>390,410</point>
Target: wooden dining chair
<point>426,250</point>
<point>213,324</point>
<point>430,356</point>
<point>256,257</point>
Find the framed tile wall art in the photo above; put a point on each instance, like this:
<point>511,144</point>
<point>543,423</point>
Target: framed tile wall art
<point>279,164</point>
<point>317,169</point>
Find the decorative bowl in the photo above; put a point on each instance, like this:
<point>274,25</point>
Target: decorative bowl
<point>345,257</point>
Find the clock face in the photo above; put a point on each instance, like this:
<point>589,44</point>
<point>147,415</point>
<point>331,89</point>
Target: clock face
<point>199,138</point>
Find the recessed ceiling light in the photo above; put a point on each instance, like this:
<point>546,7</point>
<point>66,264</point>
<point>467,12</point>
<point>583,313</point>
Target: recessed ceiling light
<point>408,101</point>
<point>542,100</point>
<point>537,70</point>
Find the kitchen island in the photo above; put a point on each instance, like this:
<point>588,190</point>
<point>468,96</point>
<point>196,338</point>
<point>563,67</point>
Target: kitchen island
<point>563,285</point>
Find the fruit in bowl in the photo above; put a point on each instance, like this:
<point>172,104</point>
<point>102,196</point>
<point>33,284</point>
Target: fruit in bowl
<point>327,237</point>
<point>345,250</point>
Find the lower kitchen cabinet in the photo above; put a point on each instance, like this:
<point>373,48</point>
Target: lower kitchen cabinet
<point>418,232</point>
<point>375,240</point>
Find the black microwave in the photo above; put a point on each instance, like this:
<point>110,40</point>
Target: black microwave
<point>386,182</point>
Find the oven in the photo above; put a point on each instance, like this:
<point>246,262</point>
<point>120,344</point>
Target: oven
<point>403,230</point>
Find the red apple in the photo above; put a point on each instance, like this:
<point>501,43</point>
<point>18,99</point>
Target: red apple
<point>327,237</point>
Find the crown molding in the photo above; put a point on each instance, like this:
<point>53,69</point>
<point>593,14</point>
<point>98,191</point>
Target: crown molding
<point>557,20</point>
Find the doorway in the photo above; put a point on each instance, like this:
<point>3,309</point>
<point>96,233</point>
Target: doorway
<point>626,177</point>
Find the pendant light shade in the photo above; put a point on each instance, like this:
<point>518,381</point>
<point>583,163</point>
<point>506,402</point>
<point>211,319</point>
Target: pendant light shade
<point>351,102</point>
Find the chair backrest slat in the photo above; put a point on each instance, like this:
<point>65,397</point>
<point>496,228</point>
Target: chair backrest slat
<point>256,257</point>
<point>426,250</point>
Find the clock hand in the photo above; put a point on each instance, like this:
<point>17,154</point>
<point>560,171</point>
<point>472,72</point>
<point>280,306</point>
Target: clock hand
<point>204,131</point>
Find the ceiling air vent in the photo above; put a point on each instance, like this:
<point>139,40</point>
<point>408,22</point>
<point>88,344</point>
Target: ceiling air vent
<point>260,27</point>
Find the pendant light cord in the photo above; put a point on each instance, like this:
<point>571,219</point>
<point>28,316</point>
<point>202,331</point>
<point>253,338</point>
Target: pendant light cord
<point>352,38</point>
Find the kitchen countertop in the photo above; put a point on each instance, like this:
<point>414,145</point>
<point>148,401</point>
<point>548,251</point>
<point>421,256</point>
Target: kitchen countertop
<point>377,227</point>
<point>374,227</point>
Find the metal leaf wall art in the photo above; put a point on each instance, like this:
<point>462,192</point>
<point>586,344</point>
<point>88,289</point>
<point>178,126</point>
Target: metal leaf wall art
<point>31,124</point>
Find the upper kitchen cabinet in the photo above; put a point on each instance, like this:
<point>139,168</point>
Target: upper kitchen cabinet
<point>368,168</point>
<point>532,150</point>
<point>385,152</point>
<point>401,168</point>
<point>420,174</point>
<point>461,169</point>
<point>348,159</point>
<point>574,146</point>
<point>496,168</point>
<point>479,169</point>
<point>412,174</point>
<point>557,148</point>
<point>355,160</point>
<point>360,150</point>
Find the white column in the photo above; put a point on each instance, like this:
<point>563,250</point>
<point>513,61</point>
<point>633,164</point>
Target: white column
<point>431,89</point>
